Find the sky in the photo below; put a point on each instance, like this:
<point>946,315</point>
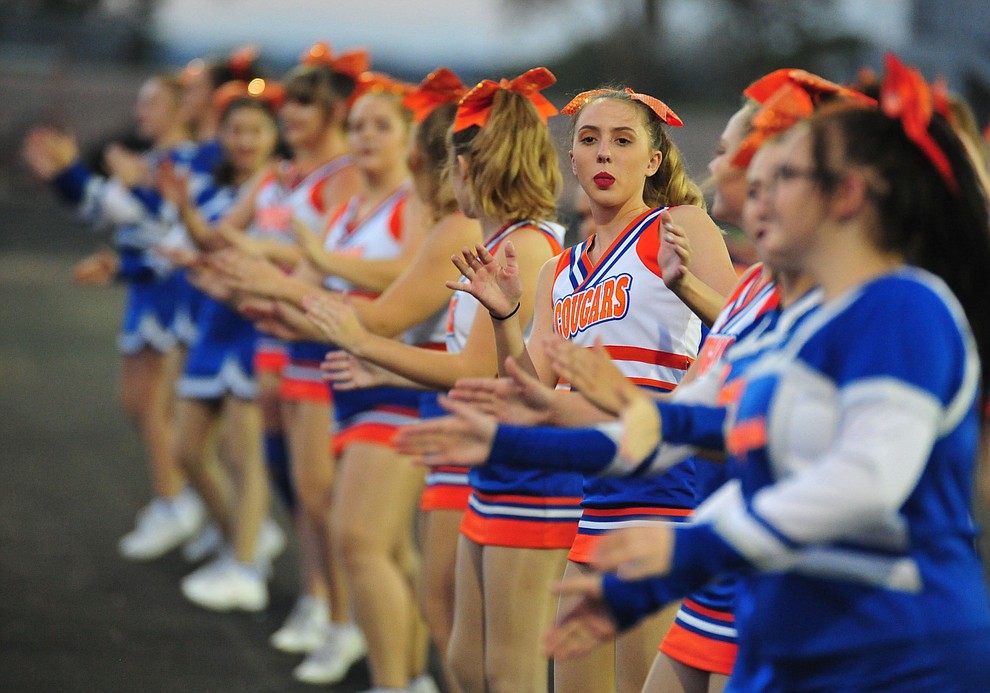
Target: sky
<point>423,34</point>
<point>419,33</point>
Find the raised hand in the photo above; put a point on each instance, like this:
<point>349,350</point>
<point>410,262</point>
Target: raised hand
<point>48,152</point>
<point>347,372</point>
<point>248,273</point>
<point>337,322</point>
<point>635,553</point>
<point>171,185</point>
<point>97,269</point>
<point>674,257</point>
<point>308,240</point>
<point>497,287</point>
<point>590,372</point>
<point>236,238</point>
<point>464,438</point>
<point>585,626</point>
<point>519,399</point>
<point>126,166</point>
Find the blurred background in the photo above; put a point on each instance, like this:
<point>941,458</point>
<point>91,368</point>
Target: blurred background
<point>73,616</point>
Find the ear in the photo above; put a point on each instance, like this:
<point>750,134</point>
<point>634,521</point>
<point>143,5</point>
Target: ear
<point>462,166</point>
<point>850,196</point>
<point>654,164</point>
<point>573,166</point>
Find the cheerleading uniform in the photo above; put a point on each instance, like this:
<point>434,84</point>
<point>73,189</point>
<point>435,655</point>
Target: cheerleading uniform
<point>221,358</point>
<point>368,414</point>
<point>137,215</point>
<point>652,337</point>
<point>278,200</point>
<point>515,507</point>
<point>853,441</point>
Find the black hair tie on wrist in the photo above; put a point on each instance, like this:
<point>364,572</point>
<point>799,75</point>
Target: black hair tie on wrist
<point>505,317</point>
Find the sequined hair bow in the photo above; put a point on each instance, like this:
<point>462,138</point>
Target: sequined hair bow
<point>475,107</point>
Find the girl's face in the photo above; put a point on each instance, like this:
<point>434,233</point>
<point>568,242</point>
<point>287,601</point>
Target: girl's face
<point>248,136</point>
<point>757,210</point>
<point>377,134</point>
<point>729,180</point>
<point>612,154</point>
<point>197,95</point>
<point>156,110</point>
<point>303,124</point>
<point>799,207</point>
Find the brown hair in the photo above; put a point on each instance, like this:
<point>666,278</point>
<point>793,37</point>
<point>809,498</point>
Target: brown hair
<point>514,173</point>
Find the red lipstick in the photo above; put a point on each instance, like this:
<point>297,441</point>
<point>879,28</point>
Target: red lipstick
<point>604,180</point>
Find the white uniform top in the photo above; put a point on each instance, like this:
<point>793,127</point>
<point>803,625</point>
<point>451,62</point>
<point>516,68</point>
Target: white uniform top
<point>650,334</point>
<point>378,236</point>
<point>277,201</point>
<point>462,309</point>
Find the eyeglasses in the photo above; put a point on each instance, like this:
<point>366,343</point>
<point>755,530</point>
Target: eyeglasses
<point>786,173</point>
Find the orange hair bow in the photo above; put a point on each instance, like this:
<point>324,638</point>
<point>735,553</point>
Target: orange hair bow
<point>378,83</point>
<point>662,110</point>
<point>352,63</point>
<point>906,96</point>
<point>241,59</point>
<point>272,93</point>
<point>437,88</point>
<point>785,107</point>
<point>816,87</point>
<point>475,107</point>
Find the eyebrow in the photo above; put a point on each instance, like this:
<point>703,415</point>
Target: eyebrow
<point>620,128</point>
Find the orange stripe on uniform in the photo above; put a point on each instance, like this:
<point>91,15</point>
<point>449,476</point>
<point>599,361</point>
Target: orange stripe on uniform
<point>746,435</point>
<point>707,654</point>
<point>520,534</point>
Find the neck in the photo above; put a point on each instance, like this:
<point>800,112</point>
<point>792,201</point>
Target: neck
<point>171,137</point>
<point>847,258</point>
<point>793,285</point>
<point>490,227</point>
<point>379,185</point>
<point>610,222</point>
<point>329,146</point>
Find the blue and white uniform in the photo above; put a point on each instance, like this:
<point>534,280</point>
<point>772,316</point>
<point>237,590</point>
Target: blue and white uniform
<point>221,357</point>
<point>139,226</point>
<point>853,442</point>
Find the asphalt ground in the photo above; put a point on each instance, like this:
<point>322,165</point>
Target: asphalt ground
<point>73,615</point>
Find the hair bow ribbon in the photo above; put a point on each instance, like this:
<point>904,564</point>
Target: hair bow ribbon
<point>352,63</point>
<point>662,110</point>
<point>475,107</point>
<point>437,88</point>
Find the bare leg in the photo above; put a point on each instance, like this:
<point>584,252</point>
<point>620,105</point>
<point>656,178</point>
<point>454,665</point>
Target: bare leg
<point>146,382</point>
<point>466,650</point>
<point>670,676</point>
<point>194,420</point>
<point>439,530</point>
<point>519,607</point>
<point>242,441</point>
<point>374,506</point>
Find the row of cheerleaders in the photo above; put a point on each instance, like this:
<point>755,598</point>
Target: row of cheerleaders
<point>628,457</point>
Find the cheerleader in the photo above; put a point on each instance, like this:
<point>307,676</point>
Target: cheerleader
<point>128,201</point>
<point>610,287</point>
<point>218,380</point>
<point>851,522</point>
<point>517,526</point>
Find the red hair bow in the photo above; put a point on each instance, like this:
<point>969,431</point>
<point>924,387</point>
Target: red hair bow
<point>906,96</point>
<point>475,107</point>
<point>378,83</point>
<point>352,63</point>
<point>816,87</point>
<point>240,60</point>
<point>785,107</point>
<point>270,92</point>
<point>662,110</point>
<point>437,88</point>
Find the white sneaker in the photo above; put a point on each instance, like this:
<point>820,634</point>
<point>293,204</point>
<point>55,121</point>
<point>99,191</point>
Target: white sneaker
<point>423,683</point>
<point>224,584</point>
<point>305,627</point>
<point>208,542</point>
<point>162,525</point>
<point>341,648</point>
<point>271,541</point>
